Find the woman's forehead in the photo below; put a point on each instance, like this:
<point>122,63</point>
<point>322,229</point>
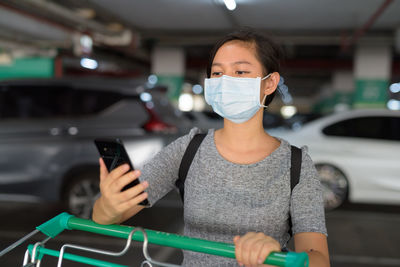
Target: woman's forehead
<point>236,52</point>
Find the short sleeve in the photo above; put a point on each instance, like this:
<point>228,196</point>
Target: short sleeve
<point>161,171</point>
<point>307,205</point>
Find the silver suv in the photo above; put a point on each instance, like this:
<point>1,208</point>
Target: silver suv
<point>47,128</point>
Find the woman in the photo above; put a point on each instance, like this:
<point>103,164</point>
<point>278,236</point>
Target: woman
<point>238,185</point>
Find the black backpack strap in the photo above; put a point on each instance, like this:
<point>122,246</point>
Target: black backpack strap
<point>187,161</point>
<point>295,167</point>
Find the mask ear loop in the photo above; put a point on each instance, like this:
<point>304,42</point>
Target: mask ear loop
<point>263,101</point>
<point>265,96</point>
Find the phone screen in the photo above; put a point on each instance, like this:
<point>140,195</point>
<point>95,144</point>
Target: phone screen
<point>113,153</point>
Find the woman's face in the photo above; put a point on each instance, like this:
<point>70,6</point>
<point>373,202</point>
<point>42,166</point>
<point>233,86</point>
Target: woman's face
<point>236,59</point>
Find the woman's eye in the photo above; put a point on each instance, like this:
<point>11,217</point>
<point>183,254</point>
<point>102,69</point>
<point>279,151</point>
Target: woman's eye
<point>216,73</point>
<point>241,72</point>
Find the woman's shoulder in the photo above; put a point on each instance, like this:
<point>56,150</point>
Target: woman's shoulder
<point>287,146</point>
<point>184,140</point>
<point>193,131</point>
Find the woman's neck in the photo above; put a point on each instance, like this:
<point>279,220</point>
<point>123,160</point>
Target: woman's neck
<point>245,136</point>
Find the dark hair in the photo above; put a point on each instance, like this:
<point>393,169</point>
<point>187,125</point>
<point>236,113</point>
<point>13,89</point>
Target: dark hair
<point>267,51</point>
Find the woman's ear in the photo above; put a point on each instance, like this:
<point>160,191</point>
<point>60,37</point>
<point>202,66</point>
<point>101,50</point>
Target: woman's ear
<point>271,83</point>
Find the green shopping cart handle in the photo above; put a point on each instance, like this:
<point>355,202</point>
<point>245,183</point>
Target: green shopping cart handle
<point>67,221</point>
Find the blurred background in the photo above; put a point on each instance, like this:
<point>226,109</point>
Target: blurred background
<point>72,71</point>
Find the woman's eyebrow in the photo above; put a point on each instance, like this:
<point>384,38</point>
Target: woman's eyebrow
<point>234,63</point>
<point>216,64</point>
<point>241,62</point>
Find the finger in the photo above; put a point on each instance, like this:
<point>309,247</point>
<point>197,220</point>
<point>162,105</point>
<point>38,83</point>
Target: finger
<point>134,201</point>
<point>255,250</point>
<point>118,172</point>
<point>246,248</point>
<point>238,251</point>
<point>103,169</point>
<point>239,247</point>
<point>265,251</point>
<point>121,182</point>
<point>245,251</point>
<point>134,191</point>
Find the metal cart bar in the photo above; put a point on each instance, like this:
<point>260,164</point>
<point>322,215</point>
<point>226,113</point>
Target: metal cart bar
<point>45,251</point>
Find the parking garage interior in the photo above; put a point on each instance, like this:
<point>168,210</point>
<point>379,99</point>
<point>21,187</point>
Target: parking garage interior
<point>72,71</point>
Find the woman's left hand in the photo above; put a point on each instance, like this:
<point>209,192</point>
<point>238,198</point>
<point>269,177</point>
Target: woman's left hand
<point>253,248</point>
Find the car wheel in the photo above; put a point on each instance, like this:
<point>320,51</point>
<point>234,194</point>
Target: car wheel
<point>335,185</point>
<point>81,193</point>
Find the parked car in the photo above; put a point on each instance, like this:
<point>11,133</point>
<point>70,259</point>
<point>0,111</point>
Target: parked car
<point>47,128</point>
<point>356,154</point>
<point>209,119</point>
<point>205,120</point>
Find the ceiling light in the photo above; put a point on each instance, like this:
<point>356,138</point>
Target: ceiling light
<point>197,89</point>
<point>152,79</point>
<point>86,41</point>
<point>185,102</point>
<point>395,88</point>
<point>89,63</point>
<point>86,13</point>
<point>115,26</point>
<point>393,104</point>
<point>230,4</point>
<point>288,111</point>
<point>145,97</point>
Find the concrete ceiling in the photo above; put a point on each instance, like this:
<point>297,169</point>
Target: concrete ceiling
<point>277,15</point>
<point>198,22</point>
<point>315,28</point>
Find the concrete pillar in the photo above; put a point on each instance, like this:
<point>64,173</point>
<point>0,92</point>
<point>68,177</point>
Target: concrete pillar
<point>168,63</point>
<point>372,71</point>
<point>343,87</point>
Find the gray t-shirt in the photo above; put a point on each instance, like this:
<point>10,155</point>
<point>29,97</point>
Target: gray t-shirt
<point>224,199</point>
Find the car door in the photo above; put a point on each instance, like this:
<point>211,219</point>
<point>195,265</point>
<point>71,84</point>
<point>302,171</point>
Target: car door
<point>368,153</point>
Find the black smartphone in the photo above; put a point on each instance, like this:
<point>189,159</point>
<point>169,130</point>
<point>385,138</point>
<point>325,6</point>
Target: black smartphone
<point>114,154</point>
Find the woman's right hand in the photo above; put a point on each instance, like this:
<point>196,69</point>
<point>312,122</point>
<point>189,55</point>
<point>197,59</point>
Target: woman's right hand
<point>115,206</point>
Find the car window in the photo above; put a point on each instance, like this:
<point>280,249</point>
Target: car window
<point>376,127</point>
<point>394,128</point>
<point>212,115</point>
<point>86,102</point>
<point>2,101</point>
<point>34,102</point>
<point>189,115</point>
<point>53,101</point>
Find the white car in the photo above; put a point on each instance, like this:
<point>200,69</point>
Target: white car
<point>356,154</point>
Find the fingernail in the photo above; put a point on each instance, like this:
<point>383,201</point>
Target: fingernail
<point>259,261</point>
<point>241,264</point>
<point>145,184</point>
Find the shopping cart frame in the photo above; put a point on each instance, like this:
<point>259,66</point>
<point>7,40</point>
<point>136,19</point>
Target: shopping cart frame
<point>65,221</point>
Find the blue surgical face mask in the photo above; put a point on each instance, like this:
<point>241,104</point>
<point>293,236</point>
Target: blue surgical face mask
<point>236,99</point>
